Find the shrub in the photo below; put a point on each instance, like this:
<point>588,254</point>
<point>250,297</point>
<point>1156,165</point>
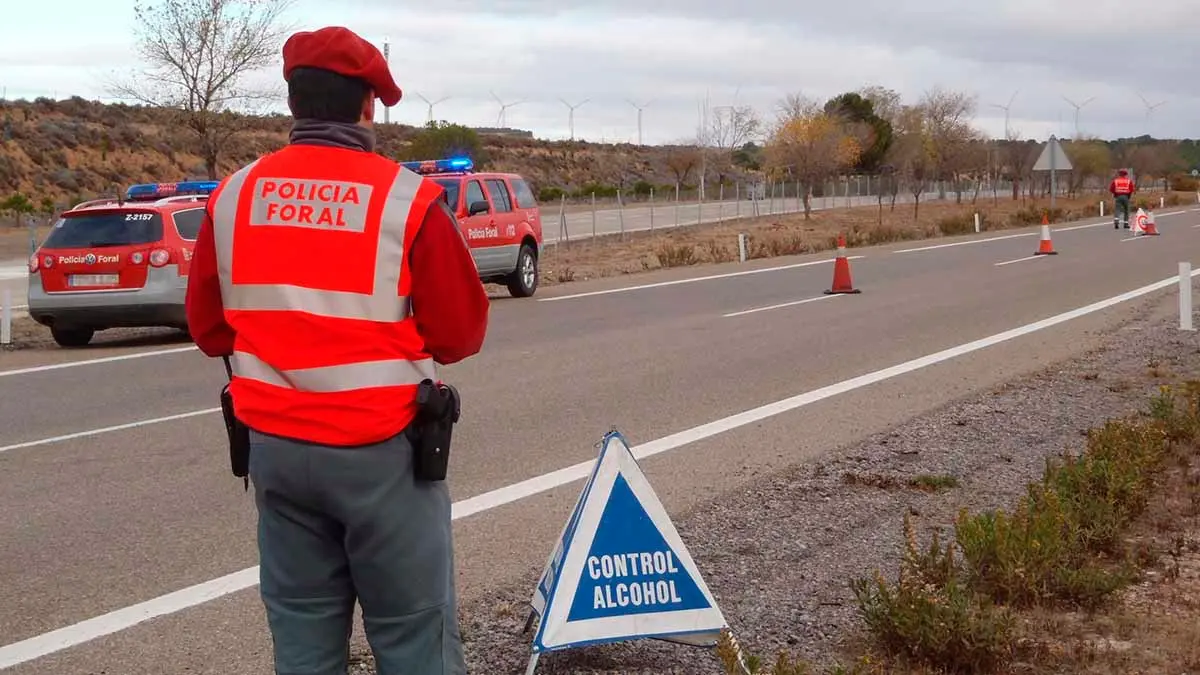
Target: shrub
<point>930,616</point>
<point>961,223</point>
<point>676,255</point>
<point>718,253</point>
<point>1182,182</point>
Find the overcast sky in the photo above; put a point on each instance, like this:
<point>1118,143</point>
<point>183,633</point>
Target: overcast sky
<point>750,52</point>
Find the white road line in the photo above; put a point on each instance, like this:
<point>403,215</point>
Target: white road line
<point>780,306</point>
<point>1024,234</point>
<point>105,430</point>
<point>965,243</point>
<point>1138,237</point>
<point>106,624</point>
<point>89,362</point>
<point>1079,227</point>
<point>690,280</point>
<point>1029,257</point>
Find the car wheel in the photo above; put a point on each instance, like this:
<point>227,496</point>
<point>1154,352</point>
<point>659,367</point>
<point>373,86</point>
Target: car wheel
<point>72,337</point>
<point>524,280</point>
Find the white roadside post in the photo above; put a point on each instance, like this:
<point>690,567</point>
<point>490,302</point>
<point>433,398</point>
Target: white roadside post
<point>976,223</point>
<point>1185,296</point>
<point>1101,208</point>
<point>741,247</point>
<point>6,319</point>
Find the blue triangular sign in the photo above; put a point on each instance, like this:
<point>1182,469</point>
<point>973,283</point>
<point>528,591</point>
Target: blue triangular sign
<point>620,570</point>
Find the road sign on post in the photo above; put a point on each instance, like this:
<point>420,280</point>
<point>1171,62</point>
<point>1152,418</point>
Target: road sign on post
<point>620,571</point>
<point>1052,159</point>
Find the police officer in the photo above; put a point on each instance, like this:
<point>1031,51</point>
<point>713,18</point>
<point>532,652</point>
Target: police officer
<point>1122,188</point>
<point>333,279</point>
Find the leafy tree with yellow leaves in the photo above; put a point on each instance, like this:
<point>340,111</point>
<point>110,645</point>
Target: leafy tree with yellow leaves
<point>810,144</point>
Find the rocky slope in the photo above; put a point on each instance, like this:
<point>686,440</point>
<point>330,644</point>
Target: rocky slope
<point>72,149</point>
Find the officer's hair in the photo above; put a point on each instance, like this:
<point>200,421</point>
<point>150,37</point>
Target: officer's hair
<point>319,94</point>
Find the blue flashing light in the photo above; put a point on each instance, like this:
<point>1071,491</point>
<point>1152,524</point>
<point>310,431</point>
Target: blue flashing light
<point>153,191</point>
<point>449,165</point>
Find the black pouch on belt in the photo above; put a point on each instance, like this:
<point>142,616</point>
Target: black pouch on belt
<point>238,433</point>
<point>431,432</point>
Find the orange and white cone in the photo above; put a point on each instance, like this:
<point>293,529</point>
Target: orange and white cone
<point>841,271</point>
<point>1046,247</point>
<point>1139,223</point>
<point>1150,228</point>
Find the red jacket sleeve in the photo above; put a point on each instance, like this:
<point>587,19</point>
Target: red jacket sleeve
<point>450,304</point>
<point>205,313</point>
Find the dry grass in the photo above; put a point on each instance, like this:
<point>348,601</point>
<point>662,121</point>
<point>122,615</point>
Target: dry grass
<point>792,234</point>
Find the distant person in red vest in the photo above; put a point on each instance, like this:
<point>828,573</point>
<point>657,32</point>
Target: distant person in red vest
<point>1122,189</point>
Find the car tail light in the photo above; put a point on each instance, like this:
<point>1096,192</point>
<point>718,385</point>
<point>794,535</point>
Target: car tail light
<point>33,264</point>
<point>159,257</point>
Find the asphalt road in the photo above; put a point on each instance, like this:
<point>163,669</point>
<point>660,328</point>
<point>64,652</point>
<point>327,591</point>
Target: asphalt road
<point>100,521</point>
<point>665,213</point>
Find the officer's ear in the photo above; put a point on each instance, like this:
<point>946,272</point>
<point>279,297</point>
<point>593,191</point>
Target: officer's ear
<point>368,109</point>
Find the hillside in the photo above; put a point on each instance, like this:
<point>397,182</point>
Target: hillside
<point>68,150</point>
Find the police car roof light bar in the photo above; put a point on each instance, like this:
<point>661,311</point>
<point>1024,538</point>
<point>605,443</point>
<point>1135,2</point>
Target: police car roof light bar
<point>448,165</point>
<point>155,191</point>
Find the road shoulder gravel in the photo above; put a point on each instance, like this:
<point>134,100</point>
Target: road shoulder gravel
<point>778,554</point>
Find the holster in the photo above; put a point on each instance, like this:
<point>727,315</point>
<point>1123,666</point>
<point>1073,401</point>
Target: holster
<point>438,410</point>
<point>237,433</point>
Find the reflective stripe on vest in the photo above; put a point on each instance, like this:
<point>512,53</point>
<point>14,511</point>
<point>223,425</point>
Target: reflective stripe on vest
<point>329,379</point>
<point>382,304</point>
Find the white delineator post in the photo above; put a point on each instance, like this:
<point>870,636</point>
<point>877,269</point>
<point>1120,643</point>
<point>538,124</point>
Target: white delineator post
<point>6,319</point>
<point>741,247</point>
<point>1185,296</point>
<point>976,223</point>
<point>1102,208</point>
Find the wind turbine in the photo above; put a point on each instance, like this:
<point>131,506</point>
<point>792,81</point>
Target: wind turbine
<point>1006,109</point>
<point>1149,109</point>
<point>640,109</point>
<point>502,119</point>
<point>1078,107</point>
<point>430,104</point>
<point>571,116</point>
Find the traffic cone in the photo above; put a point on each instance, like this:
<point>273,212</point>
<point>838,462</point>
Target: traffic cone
<point>1151,229</point>
<point>1047,246</point>
<point>1139,217</point>
<point>841,271</point>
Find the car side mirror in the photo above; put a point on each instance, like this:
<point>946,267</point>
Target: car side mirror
<point>478,207</point>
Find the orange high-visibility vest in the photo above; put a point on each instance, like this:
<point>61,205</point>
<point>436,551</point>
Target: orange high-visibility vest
<point>312,250</point>
<point>1122,185</point>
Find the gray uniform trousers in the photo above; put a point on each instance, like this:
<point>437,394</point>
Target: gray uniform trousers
<point>337,525</point>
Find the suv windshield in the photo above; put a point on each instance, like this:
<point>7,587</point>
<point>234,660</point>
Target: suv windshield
<point>451,185</point>
<point>97,230</point>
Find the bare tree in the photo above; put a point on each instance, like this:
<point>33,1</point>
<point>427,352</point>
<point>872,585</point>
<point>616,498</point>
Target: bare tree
<point>886,103</point>
<point>682,159</point>
<point>947,117</point>
<point>914,156</point>
<point>722,131</point>
<point>199,53</point>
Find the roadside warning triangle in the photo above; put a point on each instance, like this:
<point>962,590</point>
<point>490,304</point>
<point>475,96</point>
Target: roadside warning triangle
<point>1053,156</point>
<point>620,571</point>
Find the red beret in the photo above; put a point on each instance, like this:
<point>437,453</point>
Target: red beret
<point>344,52</point>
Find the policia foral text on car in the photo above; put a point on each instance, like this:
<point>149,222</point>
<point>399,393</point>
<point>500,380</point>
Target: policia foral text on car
<point>332,280</point>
